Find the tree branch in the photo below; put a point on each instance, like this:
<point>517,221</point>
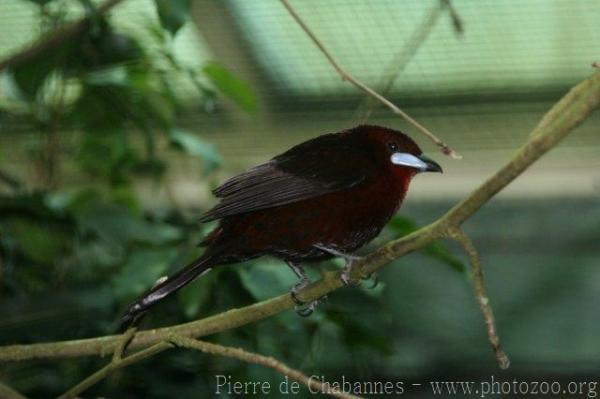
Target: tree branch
<point>569,112</point>
<point>116,363</point>
<point>457,22</point>
<point>350,78</point>
<point>54,40</point>
<point>174,340</point>
<point>572,109</point>
<point>481,295</point>
<point>255,358</point>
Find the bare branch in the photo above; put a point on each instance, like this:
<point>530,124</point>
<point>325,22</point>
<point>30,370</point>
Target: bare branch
<point>350,78</point>
<point>403,57</point>
<point>457,23</point>
<point>571,110</point>
<point>116,363</point>
<point>481,295</point>
<point>254,358</point>
<point>123,343</point>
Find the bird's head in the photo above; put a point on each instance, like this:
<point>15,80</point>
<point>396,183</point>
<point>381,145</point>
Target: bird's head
<point>397,152</point>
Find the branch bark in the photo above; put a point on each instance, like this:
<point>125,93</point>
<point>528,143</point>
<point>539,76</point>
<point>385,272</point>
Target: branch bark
<point>561,119</point>
<point>481,295</point>
<point>118,361</point>
<point>254,358</point>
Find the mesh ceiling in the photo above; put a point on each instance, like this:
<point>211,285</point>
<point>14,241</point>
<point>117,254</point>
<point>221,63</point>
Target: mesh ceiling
<point>509,45</point>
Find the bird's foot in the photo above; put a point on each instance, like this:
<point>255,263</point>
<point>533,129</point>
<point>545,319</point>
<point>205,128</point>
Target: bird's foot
<point>299,286</point>
<point>302,308</point>
<point>346,276</point>
<point>350,259</point>
<point>375,278</point>
<point>306,309</point>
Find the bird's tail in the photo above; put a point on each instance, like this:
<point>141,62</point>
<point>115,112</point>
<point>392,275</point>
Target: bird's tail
<point>162,289</point>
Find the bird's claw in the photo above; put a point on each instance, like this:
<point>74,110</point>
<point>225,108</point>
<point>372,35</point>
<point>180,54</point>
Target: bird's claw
<point>375,279</point>
<point>350,259</point>
<point>345,276</point>
<point>346,273</point>
<point>306,309</point>
<point>299,286</point>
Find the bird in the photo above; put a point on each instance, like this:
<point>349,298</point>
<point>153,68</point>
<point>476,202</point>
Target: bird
<point>323,198</point>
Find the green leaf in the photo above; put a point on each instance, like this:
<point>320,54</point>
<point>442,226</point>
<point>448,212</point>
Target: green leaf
<point>266,279</point>
<point>30,77</point>
<point>441,253</point>
<point>117,224</point>
<point>115,76</point>
<point>230,85</point>
<point>34,205</point>
<point>195,295</point>
<point>40,242</point>
<point>403,226</point>
<point>157,108</point>
<point>41,2</point>
<point>75,202</point>
<point>151,167</point>
<point>194,145</point>
<point>101,108</point>
<point>140,272</point>
<point>173,13</point>
<point>113,48</point>
<point>106,154</point>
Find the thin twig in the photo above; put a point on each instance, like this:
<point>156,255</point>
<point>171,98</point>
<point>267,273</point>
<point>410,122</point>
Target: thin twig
<point>116,363</point>
<point>408,52</point>
<point>481,295</point>
<point>350,78</point>
<point>457,22</point>
<point>122,346</point>
<point>249,357</point>
<point>402,58</point>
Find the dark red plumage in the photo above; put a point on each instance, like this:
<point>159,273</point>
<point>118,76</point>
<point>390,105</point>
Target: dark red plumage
<point>336,191</point>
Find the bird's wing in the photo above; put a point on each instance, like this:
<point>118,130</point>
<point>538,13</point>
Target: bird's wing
<point>319,166</point>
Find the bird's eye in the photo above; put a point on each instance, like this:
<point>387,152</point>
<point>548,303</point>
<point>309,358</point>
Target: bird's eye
<point>393,147</point>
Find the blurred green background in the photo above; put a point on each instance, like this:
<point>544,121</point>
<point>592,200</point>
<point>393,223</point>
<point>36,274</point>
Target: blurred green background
<point>111,142</point>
